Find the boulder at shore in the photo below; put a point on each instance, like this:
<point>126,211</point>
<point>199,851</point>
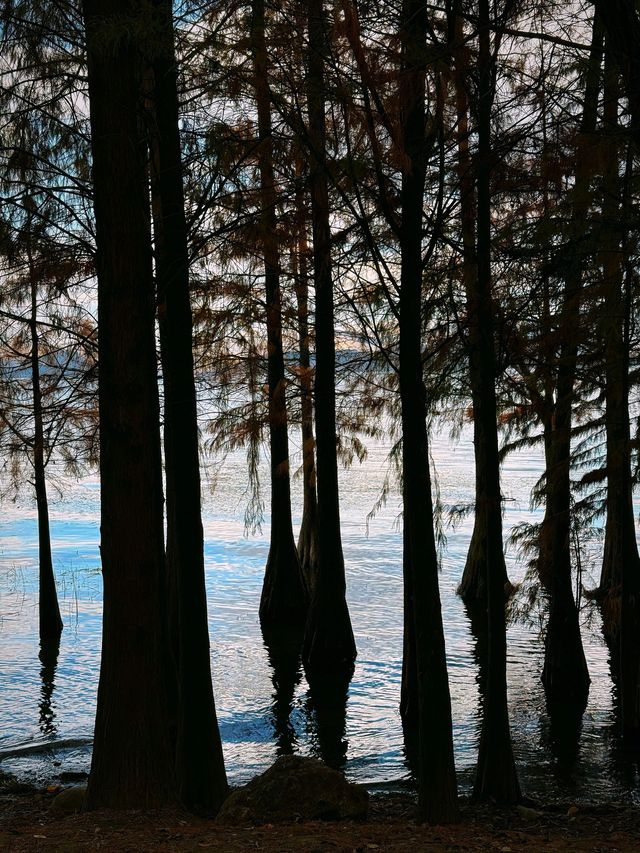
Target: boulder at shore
<point>69,800</point>
<point>293,789</point>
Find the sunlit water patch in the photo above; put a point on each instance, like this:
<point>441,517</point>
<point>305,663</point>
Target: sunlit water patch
<point>47,707</point>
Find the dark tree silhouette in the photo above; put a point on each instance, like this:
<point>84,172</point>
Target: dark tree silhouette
<point>472,587</point>
<point>621,19</point>
<point>496,775</point>
<point>308,536</point>
<point>49,619</point>
<point>284,596</point>
<point>133,749</point>
<point>620,580</point>
<point>424,660</point>
<point>328,642</point>
<point>565,675</point>
<point>201,777</point>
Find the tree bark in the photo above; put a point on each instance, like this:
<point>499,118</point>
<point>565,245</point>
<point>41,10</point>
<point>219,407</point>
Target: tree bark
<point>49,619</point>
<point>284,598</point>
<point>133,761</point>
<point>496,777</point>
<point>472,588</point>
<point>329,644</point>
<point>620,580</point>
<point>308,536</point>
<point>621,20</point>
<point>200,769</point>
<point>424,664</point>
<point>565,675</point>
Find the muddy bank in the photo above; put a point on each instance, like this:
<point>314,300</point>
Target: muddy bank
<point>28,824</point>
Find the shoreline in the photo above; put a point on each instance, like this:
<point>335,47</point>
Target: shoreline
<point>29,825</point>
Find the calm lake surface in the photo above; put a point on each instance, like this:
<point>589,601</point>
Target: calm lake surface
<point>46,717</point>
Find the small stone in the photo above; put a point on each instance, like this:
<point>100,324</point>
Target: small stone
<point>529,814</point>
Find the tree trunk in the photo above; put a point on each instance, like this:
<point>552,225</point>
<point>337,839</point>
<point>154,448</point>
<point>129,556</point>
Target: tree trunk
<point>472,588</point>
<point>329,644</point>
<point>49,619</point>
<point>565,675</point>
<point>620,581</point>
<point>308,536</point>
<point>496,777</point>
<point>133,760</point>
<point>200,769</point>
<point>284,596</point>
<point>425,665</point>
<point>621,20</point>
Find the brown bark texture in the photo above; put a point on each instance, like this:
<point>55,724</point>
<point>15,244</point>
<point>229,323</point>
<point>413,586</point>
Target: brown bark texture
<point>424,664</point>
<point>133,761</point>
<point>284,598</point>
<point>49,619</point>
<point>329,644</point>
<point>200,769</point>
<point>496,777</point>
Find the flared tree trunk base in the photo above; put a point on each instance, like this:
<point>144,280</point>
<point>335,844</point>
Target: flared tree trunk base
<point>329,649</point>
<point>284,602</point>
<point>565,676</point>
<point>472,588</point>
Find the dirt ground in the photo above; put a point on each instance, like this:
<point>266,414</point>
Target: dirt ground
<point>27,825</point>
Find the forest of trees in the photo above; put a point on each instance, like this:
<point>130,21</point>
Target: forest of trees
<point>340,221</point>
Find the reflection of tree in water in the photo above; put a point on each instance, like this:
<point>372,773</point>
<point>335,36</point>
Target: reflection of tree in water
<point>283,650</point>
<point>49,651</point>
<point>560,726</point>
<point>326,708</point>
<point>478,625</point>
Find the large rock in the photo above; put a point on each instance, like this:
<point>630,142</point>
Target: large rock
<point>69,800</point>
<point>295,788</point>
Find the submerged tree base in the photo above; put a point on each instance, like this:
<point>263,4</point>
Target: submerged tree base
<point>472,588</point>
<point>329,649</point>
<point>284,601</point>
<point>565,676</point>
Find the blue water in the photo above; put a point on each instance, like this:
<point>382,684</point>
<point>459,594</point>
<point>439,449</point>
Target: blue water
<point>45,732</point>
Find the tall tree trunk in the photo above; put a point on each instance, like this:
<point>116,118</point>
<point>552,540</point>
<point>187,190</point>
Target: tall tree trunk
<point>621,20</point>
<point>308,536</point>
<point>472,588</point>
<point>133,761</point>
<point>565,675</point>
<point>620,581</point>
<point>199,761</point>
<point>425,665</point>
<point>284,596</point>
<point>496,776</point>
<point>49,619</point>
<point>329,644</point>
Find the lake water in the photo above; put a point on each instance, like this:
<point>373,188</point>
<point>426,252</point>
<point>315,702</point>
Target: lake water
<point>46,724</point>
